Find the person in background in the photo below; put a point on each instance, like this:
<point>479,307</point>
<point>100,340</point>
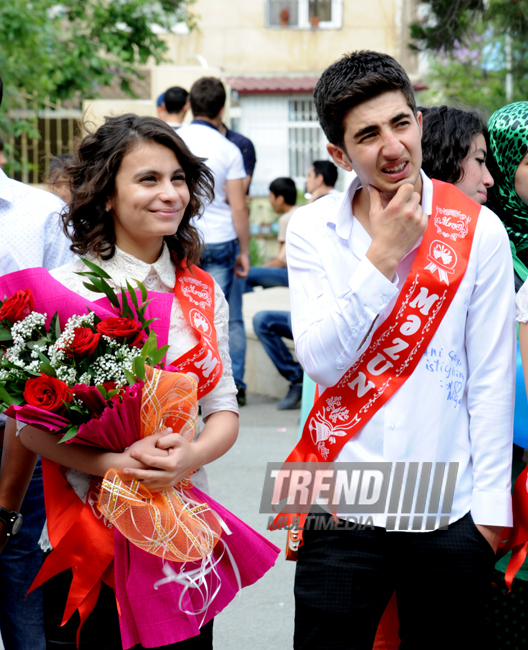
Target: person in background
<point>272,326</point>
<point>3,159</point>
<point>224,225</point>
<point>321,179</point>
<point>247,149</point>
<point>225,222</point>
<point>31,236</point>
<point>58,179</point>
<point>283,199</point>
<point>508,198</point>
<point>172,106</point>
<point>237,332</point>
<point>455,150</point>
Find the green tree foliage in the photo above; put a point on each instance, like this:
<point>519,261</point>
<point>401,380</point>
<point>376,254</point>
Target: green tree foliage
<point>454,22</point>
<point>466,43</point>
<point>61,50</point>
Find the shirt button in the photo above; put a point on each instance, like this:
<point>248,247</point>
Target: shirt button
<point>391,427</point>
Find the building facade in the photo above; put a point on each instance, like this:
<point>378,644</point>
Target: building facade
<point>271,53</point>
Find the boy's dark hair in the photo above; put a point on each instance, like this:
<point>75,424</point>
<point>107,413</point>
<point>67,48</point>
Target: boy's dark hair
<point>284,187</point>
<point>207,97</point>
<point>327,170</point>
<point>446,140</point>
<point>92,178</point>
<point>175,99</point>
<point>354,79</point>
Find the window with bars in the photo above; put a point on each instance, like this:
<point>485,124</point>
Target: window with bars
<point>304,14</point>
<point>306,141</point>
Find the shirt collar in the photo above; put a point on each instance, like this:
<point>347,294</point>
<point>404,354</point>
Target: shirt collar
<point>205,123</point>
<point>6,193</point>
<point>343,219</point>
<point>122,266</point>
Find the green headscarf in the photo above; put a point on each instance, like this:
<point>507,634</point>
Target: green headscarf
<point>508,134</point>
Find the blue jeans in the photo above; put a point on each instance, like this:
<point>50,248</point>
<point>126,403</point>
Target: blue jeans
<point>267,277</point>
<point>270,327</point>
<point>219,261</point>
<point>258,276</point>
<point>237,332</point>
<point>21,617</point>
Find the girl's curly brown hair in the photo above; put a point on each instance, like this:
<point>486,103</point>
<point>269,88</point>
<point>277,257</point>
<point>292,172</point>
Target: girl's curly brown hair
<point>93,173</point>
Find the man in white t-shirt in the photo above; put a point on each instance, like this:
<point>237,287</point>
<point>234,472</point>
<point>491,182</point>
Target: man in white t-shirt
<point>225,222</point>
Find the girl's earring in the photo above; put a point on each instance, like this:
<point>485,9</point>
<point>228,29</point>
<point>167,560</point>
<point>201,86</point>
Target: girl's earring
<point>107,209</point>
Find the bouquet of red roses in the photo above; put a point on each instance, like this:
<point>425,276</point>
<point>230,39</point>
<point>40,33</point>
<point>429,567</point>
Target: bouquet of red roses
<point>99,380</point>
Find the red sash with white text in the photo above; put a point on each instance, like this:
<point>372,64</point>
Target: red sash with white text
<point>195,292</point>
<point>398,344</point>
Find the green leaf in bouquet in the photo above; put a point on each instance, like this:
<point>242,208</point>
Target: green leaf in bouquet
<point>104,287</point>
<point>47,369</point>
<point>130,378</point>
<point>141,287</point>
<point>102,390</point>
<point>43,357</point>
<point>132,295</point>
<point>55,325</point>
<point>150,345</point>
<point>8,398</point>
<point>70,433</point>
<point>95,269</point>
<point>126,311</point>
<point>156,356</point>
<point>5,335</point>
<point>138,366</point>
<point>32,345</point>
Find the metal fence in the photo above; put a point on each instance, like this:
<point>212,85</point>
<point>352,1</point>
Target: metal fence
<point>39,130</point>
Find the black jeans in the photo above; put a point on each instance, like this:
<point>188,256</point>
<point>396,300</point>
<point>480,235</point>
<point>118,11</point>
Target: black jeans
<point>345,579</point>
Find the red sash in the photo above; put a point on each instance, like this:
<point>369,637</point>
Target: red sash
<point>398,344</point>
<point>195,292</point>
<point>81,537</point>
<point>516,537</point>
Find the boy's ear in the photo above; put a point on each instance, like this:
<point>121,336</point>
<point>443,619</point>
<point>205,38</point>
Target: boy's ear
<point>339,157</point>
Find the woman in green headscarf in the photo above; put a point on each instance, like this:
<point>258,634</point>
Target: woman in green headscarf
<point>508,198</point>
<point>508,135</point>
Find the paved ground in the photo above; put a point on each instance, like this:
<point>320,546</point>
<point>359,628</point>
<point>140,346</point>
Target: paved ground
<point>263,616</point>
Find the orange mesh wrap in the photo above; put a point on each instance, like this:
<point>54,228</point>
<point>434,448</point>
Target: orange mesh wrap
<point>170,523</point>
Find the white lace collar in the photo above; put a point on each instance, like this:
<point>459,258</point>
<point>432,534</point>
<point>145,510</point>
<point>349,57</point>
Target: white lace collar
<point>123,267</point>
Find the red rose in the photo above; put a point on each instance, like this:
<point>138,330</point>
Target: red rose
<point>18,306</point>
<point>122,329</point>
<point>47,393</point>
<point>84,343</point>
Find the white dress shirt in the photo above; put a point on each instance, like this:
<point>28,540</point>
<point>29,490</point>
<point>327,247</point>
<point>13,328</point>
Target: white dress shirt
<point>225,161</point>
<point>457,406</point>
<point>30,226</point>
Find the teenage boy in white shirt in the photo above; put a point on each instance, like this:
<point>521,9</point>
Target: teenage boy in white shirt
<point>348,258</point>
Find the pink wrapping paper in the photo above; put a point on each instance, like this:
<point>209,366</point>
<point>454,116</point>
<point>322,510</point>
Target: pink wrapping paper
<point>118,426</point>
<point>152,617</point>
